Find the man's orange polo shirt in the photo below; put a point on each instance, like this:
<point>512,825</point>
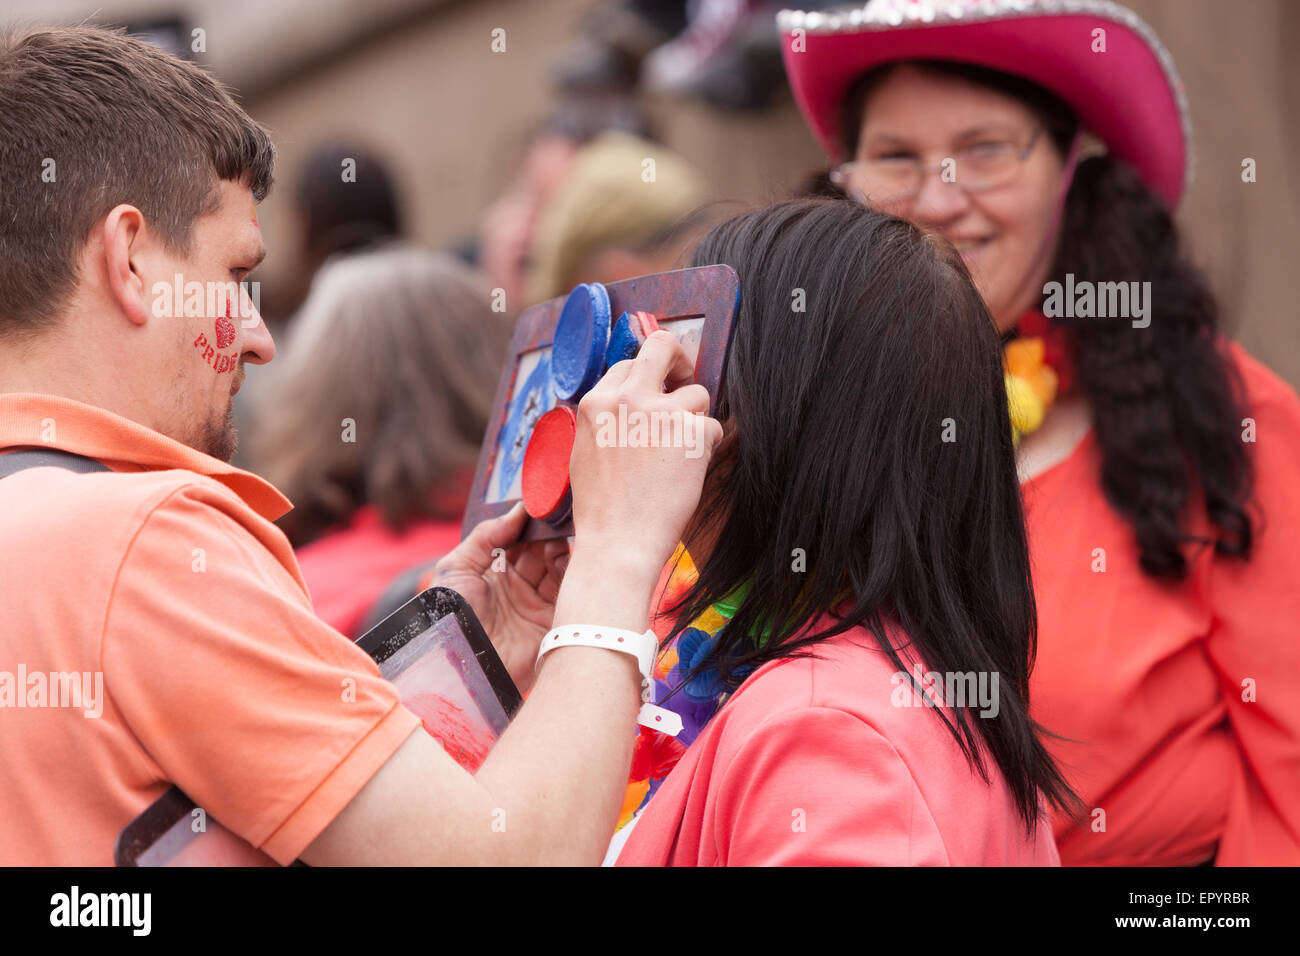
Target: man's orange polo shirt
<point>165,583</point>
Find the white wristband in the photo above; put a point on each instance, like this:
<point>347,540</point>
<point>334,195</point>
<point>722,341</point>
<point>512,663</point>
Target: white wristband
<point>643,647</point>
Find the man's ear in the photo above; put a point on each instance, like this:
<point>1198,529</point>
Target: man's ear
<point>123,232</point>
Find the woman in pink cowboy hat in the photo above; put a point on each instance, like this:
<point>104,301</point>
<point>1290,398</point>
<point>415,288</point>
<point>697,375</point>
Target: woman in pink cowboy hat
<point>1159,463</point>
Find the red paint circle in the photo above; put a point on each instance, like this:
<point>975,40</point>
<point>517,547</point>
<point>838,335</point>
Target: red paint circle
<point>545,477</point>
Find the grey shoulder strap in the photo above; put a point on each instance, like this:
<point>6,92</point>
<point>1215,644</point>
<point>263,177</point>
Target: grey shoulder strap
<point>16,461</point>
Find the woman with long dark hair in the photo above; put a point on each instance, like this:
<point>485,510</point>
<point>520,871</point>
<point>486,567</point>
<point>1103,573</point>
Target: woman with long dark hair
<point>852,660</point>
<point>1159,462</point>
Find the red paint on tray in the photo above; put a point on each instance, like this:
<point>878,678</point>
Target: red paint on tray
<point>468,744</point>
<point>648,323</point>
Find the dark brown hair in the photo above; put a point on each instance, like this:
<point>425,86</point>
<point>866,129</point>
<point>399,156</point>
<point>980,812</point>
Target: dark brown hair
<point>89,119</point>
<point>870,437</point>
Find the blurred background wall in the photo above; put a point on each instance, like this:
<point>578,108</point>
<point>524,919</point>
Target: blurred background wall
<point>419,83</point>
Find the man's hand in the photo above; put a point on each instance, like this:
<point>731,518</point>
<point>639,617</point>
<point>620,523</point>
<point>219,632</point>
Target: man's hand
<point>516,603</point>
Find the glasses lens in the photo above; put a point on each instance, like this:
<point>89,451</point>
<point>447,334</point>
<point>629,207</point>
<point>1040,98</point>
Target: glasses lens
<point>995,163</point>
<point>986,165</point>
<point>888,180</point>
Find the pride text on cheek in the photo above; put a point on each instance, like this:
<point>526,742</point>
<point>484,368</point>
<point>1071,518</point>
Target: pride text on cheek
<point>219,361</point>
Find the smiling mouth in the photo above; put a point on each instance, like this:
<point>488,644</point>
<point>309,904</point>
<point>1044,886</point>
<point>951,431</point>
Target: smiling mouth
<point>970,245</point>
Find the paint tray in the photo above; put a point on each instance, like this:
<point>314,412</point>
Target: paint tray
<point>446,670</point>
<point>698,306</point>
<point>435,652</point>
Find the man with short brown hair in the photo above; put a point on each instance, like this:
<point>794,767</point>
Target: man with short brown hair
<point>126,174</point>
<point>93,122</point>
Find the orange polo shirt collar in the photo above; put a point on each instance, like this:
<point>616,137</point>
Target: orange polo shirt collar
<point>51,421</point>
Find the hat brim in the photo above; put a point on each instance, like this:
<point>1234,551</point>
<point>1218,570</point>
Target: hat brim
<point>1129,95</point>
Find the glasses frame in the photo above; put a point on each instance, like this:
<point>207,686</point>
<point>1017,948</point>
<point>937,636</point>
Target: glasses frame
<point>839,175</point>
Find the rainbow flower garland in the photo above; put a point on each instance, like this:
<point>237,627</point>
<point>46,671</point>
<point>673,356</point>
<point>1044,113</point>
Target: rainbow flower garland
<point>695,700</point>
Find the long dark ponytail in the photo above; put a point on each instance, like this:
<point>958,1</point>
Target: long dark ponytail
<point>1166,402</point>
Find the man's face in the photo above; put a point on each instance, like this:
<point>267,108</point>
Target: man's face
<point>214,327</point>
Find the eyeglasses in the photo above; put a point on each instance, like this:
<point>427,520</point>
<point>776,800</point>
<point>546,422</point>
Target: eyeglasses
<point>899,177</point>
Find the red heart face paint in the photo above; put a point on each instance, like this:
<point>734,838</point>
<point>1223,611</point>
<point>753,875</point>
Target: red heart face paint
<point>225,330</point>
<point>224,333</point>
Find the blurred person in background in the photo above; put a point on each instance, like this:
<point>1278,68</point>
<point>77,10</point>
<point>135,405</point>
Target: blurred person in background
<point>373,426</point>
<point>333,214</point>
<point>502,248</point>
<point>625,209</point>
<point>346,200</point>
<point>1158,461</point>
<point>349,213</point>
<point>725,53</point>
<point>612,39</point>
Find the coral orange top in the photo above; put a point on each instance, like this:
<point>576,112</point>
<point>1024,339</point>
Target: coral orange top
<point>1182,699</point>
<point>813,762</point>
<point>165,585</point>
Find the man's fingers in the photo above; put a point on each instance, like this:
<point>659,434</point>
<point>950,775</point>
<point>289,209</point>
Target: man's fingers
<point>499,532</point>
<point>556,553</point>
<point>541,564</point>
<point>531,564</point>
<point>549,587</point>
<point>504,530</point>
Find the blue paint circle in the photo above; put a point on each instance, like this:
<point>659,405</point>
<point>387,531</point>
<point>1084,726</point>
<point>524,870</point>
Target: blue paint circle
<point>623,343</point>
<point>581,337</point>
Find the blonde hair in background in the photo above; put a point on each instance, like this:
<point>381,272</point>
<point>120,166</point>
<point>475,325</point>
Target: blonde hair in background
<point>622,192</point>
<point>403,344</point>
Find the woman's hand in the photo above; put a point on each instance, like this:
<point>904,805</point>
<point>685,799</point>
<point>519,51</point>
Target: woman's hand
<point>511,586</point>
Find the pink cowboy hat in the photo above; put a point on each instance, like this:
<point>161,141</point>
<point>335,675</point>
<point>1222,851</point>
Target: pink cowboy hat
<point>1128,96</point>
